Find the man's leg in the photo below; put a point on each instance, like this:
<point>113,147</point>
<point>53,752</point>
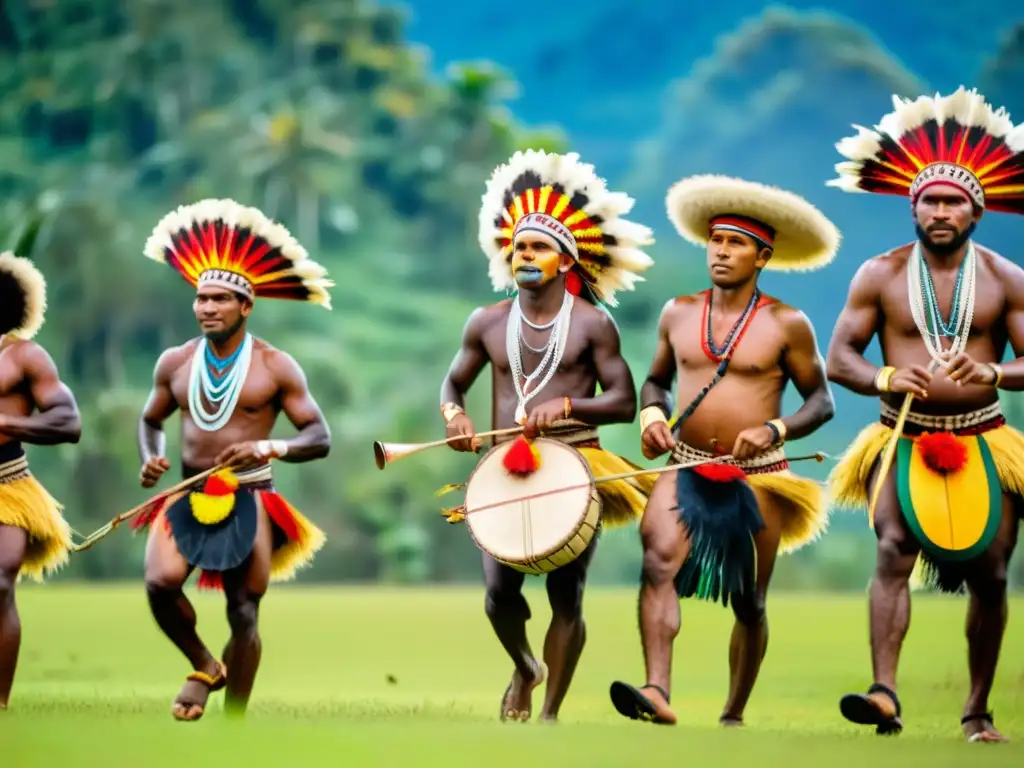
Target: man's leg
<point>986,623</point>
<point>749,641</point>
<point>665,545</point>
<point>13,543</point>
<point>244,587</point>
<point>508,612</point>
<point>165,573</point>
<point>889,601</point>
<point>567,633</point>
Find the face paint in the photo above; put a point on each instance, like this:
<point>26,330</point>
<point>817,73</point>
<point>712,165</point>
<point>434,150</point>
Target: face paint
<point>535,260</point>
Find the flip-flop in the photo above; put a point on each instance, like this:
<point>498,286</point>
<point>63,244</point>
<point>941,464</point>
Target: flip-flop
<point>630,702</point>
<point>859,708</point>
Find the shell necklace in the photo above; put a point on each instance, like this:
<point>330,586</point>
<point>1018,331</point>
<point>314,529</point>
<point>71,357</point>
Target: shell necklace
<point>924,304</point>
<point>553,351</point>
<point>220,389</point>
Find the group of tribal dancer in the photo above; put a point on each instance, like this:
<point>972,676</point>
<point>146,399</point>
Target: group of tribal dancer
<point>941,472</point>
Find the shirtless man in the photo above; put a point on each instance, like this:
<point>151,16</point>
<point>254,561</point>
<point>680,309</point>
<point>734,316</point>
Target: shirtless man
<point>713,532</point>
<point>554,257</point>
<point>229,388</point>
<point>36,407</point>
<point>944,503</point>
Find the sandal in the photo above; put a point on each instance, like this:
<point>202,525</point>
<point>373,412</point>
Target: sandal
<point>863,710</point>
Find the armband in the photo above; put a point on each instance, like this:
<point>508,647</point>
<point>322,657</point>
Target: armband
<point>883,377</point>
<point>778,428</point>
<point>449,411</point>
<point>651,415</point>
<point>997,371</point>
<point>274,449</point>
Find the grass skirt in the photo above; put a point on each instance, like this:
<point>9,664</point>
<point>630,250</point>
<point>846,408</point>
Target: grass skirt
<point>26,504</point>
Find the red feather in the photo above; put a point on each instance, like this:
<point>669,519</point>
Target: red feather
<point>521,458</point>
<point>942,452</point>
<point>573,284</point>
<point>720,473</point>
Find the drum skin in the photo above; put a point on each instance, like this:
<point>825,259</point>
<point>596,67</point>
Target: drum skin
<point>538,535</point>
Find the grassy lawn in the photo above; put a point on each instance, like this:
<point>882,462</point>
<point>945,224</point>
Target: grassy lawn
<point>371,675</point>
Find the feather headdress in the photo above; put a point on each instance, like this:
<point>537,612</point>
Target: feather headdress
<point>565,199</point>
<point>957,139</point>
<point>224,243</point>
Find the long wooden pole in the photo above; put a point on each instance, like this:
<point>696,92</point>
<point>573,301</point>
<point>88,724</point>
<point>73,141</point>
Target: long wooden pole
<point>819,457</point>
<point>99,533</point>
<point>890,449</point>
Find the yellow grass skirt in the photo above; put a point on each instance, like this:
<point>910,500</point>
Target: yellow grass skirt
<point>802,502</point>
<point>848,481</point>
<point>622,501</point>
<point>25,504</point>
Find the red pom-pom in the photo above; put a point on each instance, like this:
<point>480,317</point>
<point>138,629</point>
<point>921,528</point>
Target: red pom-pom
<point>720,473</point>
<point>210,580</point>
<point>221,483</point>
<point>942,452</point>
<point>521,458</point>
<point>573,283</point>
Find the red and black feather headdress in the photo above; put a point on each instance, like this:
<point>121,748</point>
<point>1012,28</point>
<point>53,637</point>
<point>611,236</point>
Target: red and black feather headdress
<point>224,243</point>
<point>957,139</point>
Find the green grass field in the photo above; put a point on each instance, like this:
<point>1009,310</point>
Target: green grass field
<point>96,681</point>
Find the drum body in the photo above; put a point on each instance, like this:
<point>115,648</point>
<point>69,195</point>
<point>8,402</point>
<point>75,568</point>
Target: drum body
<point>535,535</point>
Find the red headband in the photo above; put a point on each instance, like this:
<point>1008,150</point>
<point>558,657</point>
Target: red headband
<point>756,229</point>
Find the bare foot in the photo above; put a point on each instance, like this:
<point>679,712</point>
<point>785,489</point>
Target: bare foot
<point>980,728</point>
<point>517,703</point>
<point>190,703</point>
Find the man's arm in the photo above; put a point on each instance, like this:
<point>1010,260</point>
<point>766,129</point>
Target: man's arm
<point>854,329</point>
<point>56,418</point>
<point>657,387</point>
<point>804,364</point>
<point>314,438</point>
<point>617,402</point>
<point>159,407</point>
<point>468,362</point>
<point>1013,372</point>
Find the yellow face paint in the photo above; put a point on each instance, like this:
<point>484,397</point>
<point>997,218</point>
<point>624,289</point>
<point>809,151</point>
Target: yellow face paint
<point>535,260</point>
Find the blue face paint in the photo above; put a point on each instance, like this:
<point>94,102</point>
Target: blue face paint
<point>529,275</point>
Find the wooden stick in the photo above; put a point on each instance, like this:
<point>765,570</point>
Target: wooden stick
<point>634,473</point>
<point>99,533</point>
<point>890,449</point>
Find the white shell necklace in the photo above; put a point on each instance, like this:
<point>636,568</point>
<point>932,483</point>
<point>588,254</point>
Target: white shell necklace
<point>553,351</point>
<point>924,304</point>
<point>223,394</point>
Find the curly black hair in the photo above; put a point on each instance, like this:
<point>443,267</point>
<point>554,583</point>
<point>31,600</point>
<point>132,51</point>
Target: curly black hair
<point>13,308</point>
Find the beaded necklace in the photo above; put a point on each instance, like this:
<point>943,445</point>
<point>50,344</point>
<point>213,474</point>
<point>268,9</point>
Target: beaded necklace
<point>553,351</point>
<point>221,387</point>
<point>924,304</point>
<point>723,356</point>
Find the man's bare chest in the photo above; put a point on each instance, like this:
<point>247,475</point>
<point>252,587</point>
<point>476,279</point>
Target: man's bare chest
<point>945,310</point>
<point>528,351</point>
<point>756,349</point>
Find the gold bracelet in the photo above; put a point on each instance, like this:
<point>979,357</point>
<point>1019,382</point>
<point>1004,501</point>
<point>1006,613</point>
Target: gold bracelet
<point>568,407</point>
<point>652,414</point>
<point>883,377</point>
<point>997,370</point>
<point>780,427</point>
<point>450,410</point>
